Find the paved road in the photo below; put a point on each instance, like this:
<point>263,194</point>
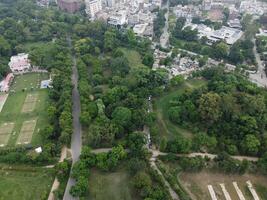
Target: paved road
<point>76,140</point>
<point>164,39</point>
<point>260,77</point>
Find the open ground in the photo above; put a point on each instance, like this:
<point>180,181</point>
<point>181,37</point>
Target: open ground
<point>166,127</point>
<point>24,183</point>
<point>115,185</point>
<point>197,184</point>
<point>30,102</point>
<point>24,105</point>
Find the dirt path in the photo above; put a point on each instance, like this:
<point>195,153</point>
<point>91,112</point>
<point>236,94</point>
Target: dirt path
<point>154,166</point>
<point>211,156</point>
<point>56,182</point>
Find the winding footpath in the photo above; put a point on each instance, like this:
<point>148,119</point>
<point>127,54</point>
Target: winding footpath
<point>76,140</point>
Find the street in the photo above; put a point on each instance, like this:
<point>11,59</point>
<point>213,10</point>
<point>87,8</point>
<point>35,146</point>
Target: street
<point>164,39</point>
<point>76,140</point>
<point>260,77</point>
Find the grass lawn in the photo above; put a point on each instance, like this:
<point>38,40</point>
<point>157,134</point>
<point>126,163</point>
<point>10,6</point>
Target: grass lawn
<point>167,128</point>
<point>133,57</point>
<point>114,185</point>
<point>26,183</point>
<point>196,184</point>
<point>12,109</point>
<point>28,81</point>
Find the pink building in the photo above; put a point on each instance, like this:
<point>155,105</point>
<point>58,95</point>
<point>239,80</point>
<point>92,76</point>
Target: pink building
<point>19,63</point>
<point>69,5</point>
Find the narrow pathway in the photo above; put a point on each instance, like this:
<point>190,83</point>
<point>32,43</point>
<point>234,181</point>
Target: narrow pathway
<point>76,141</point>
<point>259,77</point>
<point>56,182</point>
<point>154,166</point>
<point>164,38</point>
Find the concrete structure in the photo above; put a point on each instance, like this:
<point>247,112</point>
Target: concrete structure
<point>139,29</point>
<point>19,63</point>
<point>93,7</point>
<point>227,34</point>
<point>235,23</point>
<point>6,82</point>
<point>46,84</point>
<point>118,19</point>
<point>43,3</point>
<point>69,5</point>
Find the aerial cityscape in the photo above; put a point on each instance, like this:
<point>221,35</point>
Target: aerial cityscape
<point>133,99</point>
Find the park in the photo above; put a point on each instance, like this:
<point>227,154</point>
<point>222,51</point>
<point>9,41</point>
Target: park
<point>23,111</point>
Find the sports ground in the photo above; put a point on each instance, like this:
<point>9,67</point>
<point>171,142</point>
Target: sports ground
<point>23,111</point>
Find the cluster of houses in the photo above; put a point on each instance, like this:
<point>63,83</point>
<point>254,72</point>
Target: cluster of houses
<point>180,65</point>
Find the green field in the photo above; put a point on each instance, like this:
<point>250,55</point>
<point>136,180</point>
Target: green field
<point>25,183</point>
<point>12,110</point>
<point>133,57</point>
<point>114,185</point>
<point>166,127</point>
<point>28,81</point>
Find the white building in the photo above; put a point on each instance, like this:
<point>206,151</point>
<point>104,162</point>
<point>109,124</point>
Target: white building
<point>93,7</point>
<point>229,35</point>
<point>19,63</point>
<point>118,19</point>
<point>139,29</point>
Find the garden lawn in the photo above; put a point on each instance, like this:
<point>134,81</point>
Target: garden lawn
<point>113,185</point>
<point>133,57</point>
<point>28,81</point>
<point>12,109</point>
<point>25,184</point>
<point>166,127</point>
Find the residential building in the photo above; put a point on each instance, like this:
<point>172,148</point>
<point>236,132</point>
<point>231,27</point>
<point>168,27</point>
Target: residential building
<point>93,7</point>
<point>69,5</point>
<point>20,63</point>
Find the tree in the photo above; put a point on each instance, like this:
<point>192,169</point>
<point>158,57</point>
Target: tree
<point>262,163</point>
<point>80,188</point>
<point>136,142</point>
<point>209,107</point>
<point>250,144</point>
<point>135,165</point>
<point>120,66</point>
<point>122,116</point>
<point>5,48</point>
<point>220,50</point>
<point>62,170</point>
<point>110,40</point>
<point>141,179</point>
<point>84,46</point>
<point>148,60</point>
<point>179,145</point>
<point>80,169</point>
<point>177,80</point>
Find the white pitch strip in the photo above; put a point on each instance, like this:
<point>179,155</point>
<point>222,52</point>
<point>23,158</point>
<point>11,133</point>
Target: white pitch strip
<point>212,193</point>
<point>239,192</point>
<point>225,192</point>
<point>252,191</point>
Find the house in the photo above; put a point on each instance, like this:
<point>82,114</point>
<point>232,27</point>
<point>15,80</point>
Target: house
<point>20,63</point>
